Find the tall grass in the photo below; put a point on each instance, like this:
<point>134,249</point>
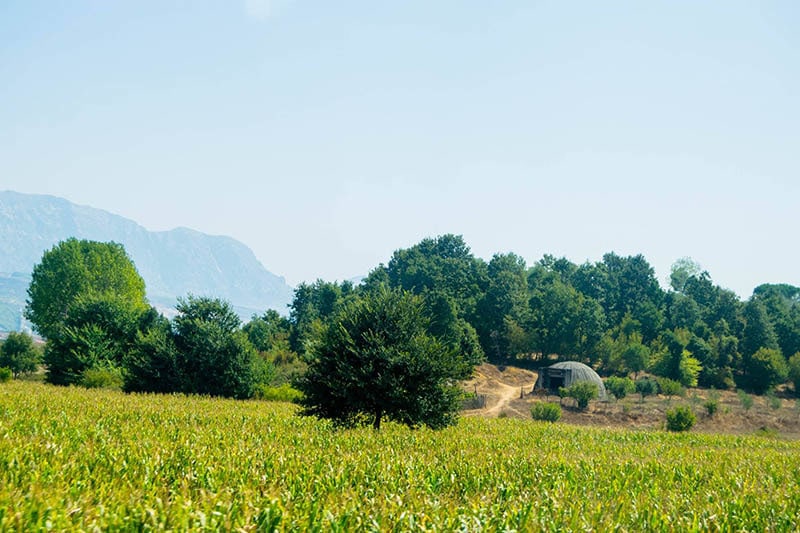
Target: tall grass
<point>77,459</point>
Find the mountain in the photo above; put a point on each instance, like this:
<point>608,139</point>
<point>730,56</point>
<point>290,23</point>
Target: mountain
<point>173,263</point>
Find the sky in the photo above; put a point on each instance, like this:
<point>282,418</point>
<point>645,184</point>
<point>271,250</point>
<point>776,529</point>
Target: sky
<point>327,134</point>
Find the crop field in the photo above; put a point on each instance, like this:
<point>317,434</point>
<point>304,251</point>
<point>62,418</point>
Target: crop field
<point>73,459</point>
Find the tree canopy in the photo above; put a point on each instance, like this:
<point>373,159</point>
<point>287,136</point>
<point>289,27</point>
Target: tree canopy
<point>376,360</point>
<point>79,270</point>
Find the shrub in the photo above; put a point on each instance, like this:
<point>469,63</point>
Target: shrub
<point>102,377</point>
<point>582,392</point>
<point>764,369</point>
<point>646,387</point>
<point>773,401</point>
<point>19,354</point>
<point>547,411</point>
<point>680,419</point>
<point>712,406</point>
<point>670,387</point>
<point>5,374</point>
<point>745,399</point>
<point>281,393</point>
<point>620,387</point>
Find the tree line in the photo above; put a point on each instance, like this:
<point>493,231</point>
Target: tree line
<point>409,330</point>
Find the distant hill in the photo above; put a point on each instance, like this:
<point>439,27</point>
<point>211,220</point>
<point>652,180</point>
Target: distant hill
<point>173,263</point>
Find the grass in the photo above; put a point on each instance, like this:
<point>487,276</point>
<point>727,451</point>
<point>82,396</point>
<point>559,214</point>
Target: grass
<point>76,459</point>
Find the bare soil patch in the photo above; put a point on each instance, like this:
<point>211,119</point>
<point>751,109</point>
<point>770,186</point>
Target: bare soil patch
<point>507,391</point>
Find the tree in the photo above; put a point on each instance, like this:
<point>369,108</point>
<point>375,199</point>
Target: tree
<point>444,264</point>
<point>74,270</point>
<point>504,304</point>
<point>764,369</point>
<point>152,364</point>
<point>96,333</point>
<point>758,331</point>
<point>213,355</point>
<point>582,392</point>
<point>376,360</point>
<point>19,354</point>
<point>794,372</point>
<point>682,270</point>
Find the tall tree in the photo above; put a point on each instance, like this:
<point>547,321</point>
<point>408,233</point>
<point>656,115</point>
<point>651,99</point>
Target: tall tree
<point>504,304</point>
<point>376,360</point>
<point>444,264</point>
<point>79,269</point>
<point>214,356</point>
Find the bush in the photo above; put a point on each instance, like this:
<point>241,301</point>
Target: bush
<point>281,393</point>
<point>745,399</point>
<point>547,411</point>
<point>646,387</point>
<point>670,387</point>
<point>102,377</point>
<point>712,406</point>
<point>5,374</point>
<point>764,369</point>
<point>773,401</point>
<point>19,354</point>
<point>620,387</point>
<point>680,419</point>
<point>582,392</point>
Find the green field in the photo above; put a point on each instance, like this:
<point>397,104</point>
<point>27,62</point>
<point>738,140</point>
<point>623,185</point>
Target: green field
<point>77,459</point>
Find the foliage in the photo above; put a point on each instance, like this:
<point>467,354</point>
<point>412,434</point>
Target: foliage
<point>745,399</point>
<point>582,392</point>
<point>763,370</point>
<point>18,354</point>
<point>213,355</point>
<point>620,387</point>
<point>546,411</point>
<point>86,270</point>
<point>670,387</point>
<point>102,378</point>
<point>281,393</point>
<point>646,387</point>
<point>376,360</point>
<point>676,362</point>
<point>5,374</point>
<point>268,331</point>
<point>97,332</point>
<point>680,418</point>
<point>794,372</point>
<point>711,406</point>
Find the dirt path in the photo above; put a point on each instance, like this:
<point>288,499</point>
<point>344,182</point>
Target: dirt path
<point>500,389</point>
<point>506,394</point>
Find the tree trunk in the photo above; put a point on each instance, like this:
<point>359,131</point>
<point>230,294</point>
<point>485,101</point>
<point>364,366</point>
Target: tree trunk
<point>377,423</point>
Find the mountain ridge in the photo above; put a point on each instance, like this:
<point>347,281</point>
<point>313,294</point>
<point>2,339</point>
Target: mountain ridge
<point>173,263</point>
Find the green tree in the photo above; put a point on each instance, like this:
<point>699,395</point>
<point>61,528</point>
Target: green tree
<point>376,360</point>
<point>78,269</point>
<point>152,363</point>
<point>794,372</point>
<point>19,354</point>
<point>682,270</point>
<point>444,264</point>
<point>758,331</point>
<point>96,333</point>
<point>504,305</point>
<point>214,356</point>
<point>582,392</point>
<point>763,370</point>
<point>268,331</point>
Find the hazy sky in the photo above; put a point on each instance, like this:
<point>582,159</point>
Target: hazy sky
<point>326,134</point>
